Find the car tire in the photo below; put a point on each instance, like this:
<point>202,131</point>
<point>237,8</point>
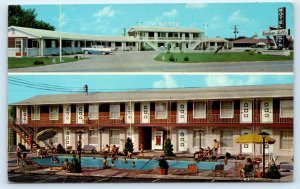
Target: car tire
<point>86,52</point>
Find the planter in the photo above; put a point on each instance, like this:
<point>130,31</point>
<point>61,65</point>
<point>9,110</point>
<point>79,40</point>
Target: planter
<point>163,171</point>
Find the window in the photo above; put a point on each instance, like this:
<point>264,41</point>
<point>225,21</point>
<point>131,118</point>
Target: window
<point>226,138</point>
<point>18,43</point>
<point>35,112</point>
<point>196,137</point>
<point>286,140</point>
<point>199,110</point>
<point>286,109</point>
<point>161,110</point>
<point>53,112</point>
<point>212,44</point>
<point>114,111</point>
<point>93,136</point>
<point>53,44</point>
<point>93,111</point>
<point>226,109</point>
<point>34,43</point>
<point>114,137</point>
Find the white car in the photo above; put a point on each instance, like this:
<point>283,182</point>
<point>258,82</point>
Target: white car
<point>96,50</point>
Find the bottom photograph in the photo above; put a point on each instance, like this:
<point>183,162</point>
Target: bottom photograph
<point>150,128</point>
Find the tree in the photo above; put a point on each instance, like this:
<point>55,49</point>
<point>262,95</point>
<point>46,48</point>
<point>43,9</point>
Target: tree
<point>26,18</point>
<point>168,148</point>
<point>128,146</point>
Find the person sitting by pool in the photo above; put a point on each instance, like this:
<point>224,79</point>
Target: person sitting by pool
<point>207,153</point>
<point>66,165</point>
<point>125,160</point>
<point>104,163</point>
<point>55,160</point>
<point>114,150</point>
<point>52,148</point>
<point>133,163</point>
<point>130,155</point>
<point>113,157</point>
<point>106,149</point>
<point>113,163</point>
<point>40,153</point>
<point>248,168</point>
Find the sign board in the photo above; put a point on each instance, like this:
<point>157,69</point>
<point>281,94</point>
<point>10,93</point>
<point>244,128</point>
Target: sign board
<point>280,39</point>
<point>280,32</point>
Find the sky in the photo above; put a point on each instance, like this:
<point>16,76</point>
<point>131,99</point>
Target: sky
<point>215,19</point>
<point>111,82</point>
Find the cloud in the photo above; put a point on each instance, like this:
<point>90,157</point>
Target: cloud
<point>222,80</point>
<point>195,5</point>
<point>237,17</point>
<point>167,82</point>
<point>105,12</point>
<point>171,13</point>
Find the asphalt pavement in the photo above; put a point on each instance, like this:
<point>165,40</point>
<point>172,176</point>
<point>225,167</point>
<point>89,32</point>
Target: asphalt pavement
<point>144,62</point>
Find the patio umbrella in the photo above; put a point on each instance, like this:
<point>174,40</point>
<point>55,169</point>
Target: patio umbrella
<point>254,138</point>
<point>45,134</point>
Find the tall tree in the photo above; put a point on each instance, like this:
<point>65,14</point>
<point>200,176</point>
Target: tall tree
<point>26,18</point>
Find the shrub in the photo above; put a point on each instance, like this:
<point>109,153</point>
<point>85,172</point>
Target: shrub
<point>128,146</point>
<point>168,51</point>
<point>172,58</point>
<point>77,57</point>
<point>38,62</point>
<point>247,50</point>
<point>273,172</point>
<point>251,53</point>
<point>168,148</point>
<point>60,149</point>
<point>186,59</point>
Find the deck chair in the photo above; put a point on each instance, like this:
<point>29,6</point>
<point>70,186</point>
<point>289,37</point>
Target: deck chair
<point>219,170</point>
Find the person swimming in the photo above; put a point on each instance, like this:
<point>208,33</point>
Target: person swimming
<point>55,160</point>
<point>133,164</point>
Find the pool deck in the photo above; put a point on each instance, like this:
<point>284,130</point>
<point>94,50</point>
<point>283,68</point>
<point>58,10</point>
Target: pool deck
<point>230,175</point>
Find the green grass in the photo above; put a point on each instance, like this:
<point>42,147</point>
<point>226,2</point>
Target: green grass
<point>24,62</point>
<point>221,57</point>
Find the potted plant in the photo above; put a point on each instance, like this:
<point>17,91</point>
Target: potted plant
<point>163,166</point>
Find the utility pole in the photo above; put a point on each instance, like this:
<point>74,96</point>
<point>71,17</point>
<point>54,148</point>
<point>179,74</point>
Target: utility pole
<point>124,31</point>
<point>235,31</point>
<point>86,89</point>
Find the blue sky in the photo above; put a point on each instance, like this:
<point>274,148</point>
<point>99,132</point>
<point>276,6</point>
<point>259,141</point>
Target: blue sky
<point>98,83</point>
<point>111,19</point>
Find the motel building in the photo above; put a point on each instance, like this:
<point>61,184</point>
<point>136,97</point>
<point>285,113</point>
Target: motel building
<point>150,117</point>
<point>29,42</point>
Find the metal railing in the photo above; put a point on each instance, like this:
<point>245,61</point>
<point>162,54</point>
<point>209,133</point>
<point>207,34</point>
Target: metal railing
<point>152,119</point>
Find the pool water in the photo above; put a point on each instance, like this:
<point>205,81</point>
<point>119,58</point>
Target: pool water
<point>140,164</point>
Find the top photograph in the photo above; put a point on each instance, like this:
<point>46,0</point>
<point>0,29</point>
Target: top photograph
<point>211,37</point>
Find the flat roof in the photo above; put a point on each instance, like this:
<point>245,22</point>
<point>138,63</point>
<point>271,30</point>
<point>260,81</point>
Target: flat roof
<point>164,29</point>
<point>48,34</point>
<point>236,92</point>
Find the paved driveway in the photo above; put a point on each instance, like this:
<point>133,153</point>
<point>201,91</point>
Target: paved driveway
<point>144,62</point>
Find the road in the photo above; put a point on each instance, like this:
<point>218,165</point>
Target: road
<point>144,62</point>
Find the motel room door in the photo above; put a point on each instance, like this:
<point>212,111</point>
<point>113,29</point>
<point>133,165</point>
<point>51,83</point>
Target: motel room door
<point>246,111</point>
<point>182,140</point>
<point>266,108</point>
<point>158,140</point>
<point>182,112</point>
<point>246,148</point>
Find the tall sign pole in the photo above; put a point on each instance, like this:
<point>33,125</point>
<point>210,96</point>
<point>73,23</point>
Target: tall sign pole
<point>60,41</point>
<point>280,40</point>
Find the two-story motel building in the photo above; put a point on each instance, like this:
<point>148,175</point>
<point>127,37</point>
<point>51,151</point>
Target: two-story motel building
<point>28,42</point>
<point>149,117</point>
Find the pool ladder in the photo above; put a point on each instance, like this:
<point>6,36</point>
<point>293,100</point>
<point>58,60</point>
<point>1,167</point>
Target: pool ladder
<point>147,162</point>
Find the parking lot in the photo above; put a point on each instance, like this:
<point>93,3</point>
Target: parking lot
<point>144,62</point>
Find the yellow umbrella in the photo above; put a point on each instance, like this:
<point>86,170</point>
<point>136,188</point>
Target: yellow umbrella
<point>254,138</point>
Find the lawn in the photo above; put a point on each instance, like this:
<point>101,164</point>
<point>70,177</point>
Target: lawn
<point>220,57</point>
<point>29,61</point>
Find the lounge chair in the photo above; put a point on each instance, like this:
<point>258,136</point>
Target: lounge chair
<point>89,149</point>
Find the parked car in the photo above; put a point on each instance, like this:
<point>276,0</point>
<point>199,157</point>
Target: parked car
<point>96,50</point>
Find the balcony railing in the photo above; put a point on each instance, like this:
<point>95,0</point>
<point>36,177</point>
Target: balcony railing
<point>169,38</point>
<point>173,119</point>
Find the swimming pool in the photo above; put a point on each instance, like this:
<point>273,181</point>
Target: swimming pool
<point>140,164</point>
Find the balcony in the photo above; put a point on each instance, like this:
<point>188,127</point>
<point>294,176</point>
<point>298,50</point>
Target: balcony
<point>168,38</point>
<point>211,119</point>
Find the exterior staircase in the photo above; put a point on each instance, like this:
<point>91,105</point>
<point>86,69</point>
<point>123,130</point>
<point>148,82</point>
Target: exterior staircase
<point>195,44</point>
<point>151,44</point>
<point>24,133</point>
